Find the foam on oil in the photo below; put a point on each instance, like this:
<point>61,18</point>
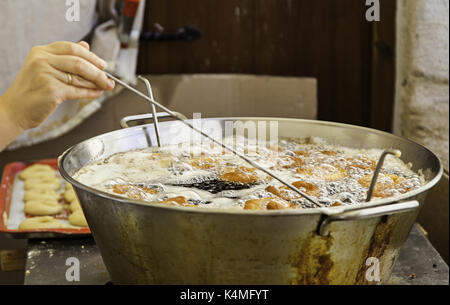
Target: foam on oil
<point>196,172</point>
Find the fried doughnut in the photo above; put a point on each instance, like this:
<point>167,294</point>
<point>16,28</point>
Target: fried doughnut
<point>163,158</point>
<point>266,204</point>
<point>362,163</point>
<point>40,194</point>
<point>336,204</point>
<point>156,155</point>
<point>302,153</point>
<point>324,171</point>
<point>37,184</point>
<point>133,191</point>
<point>180,200</point>
<point>75,205</point>
<point>240,174</point>
<point>204,162</point>
<point>124,188</point>
<point>277,205</point>
<point>367,179</point>
<point>36,169</point>
<point>121,188</point>
<point>40,222</point>
<point>384,186</point>
<point>77,219</point>
<point>309,188</point>
<point>293,162</point>
<point>42,207</point>
<point>329,152</point>
<point>286,194</point>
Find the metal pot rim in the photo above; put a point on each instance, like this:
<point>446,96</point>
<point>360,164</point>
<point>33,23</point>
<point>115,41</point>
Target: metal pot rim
<point>290,212</point>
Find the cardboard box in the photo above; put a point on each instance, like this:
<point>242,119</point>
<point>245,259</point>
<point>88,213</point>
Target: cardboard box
<point>219,95</point>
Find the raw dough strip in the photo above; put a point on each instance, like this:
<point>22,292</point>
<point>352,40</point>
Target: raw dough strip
<point>75,206</point>
<point>70,195</point>
<point>77,219</point>
<point>49,185</point>
<point>43,207</point>
<point>40,194</point>
<point>41,222</point>
<point>36,169</point>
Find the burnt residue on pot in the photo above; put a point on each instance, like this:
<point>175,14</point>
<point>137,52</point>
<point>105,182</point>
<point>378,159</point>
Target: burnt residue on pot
<point>380,240</point>
<point>313,263</point>
<point>133,257</point>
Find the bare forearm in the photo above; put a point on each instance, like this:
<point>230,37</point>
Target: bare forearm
<point>9,130</point>
<point>50,75</point>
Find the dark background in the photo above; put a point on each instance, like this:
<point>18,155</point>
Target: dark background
<point>330,40</point>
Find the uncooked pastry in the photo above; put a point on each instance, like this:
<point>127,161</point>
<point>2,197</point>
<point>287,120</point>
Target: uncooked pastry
<point>68,186</point>
<point>77,219</point>
<point>40,222</point>
<point>43,207</point>
<point>36,184</point>
<point>75,205</point>
<point>44,176</point>
<point>70,196</point>
<point>40,194</point>
<point>36,169</point>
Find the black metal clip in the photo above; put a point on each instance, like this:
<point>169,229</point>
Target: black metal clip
<point>188,33</point>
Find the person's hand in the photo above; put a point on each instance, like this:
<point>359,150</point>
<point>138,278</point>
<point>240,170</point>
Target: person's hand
<point>50,75</point>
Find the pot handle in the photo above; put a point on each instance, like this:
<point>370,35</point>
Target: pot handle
<point>382,210</point>
<point>146,116</point>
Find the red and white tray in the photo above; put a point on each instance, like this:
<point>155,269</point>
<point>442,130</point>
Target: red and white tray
<point>11,205</point>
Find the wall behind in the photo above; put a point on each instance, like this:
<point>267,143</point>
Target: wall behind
<point>330,40</point>
<point>422,98</point>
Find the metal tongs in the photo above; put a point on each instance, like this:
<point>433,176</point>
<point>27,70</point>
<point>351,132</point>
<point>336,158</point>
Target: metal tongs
<point>182,119</point>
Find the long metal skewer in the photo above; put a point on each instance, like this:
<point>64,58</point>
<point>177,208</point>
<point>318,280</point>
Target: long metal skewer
<point>177,117</point>
<point>155,117</point>
<point>380,162</point>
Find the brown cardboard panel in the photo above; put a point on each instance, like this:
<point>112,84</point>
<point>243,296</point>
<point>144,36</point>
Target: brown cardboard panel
<point>221,95</point>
